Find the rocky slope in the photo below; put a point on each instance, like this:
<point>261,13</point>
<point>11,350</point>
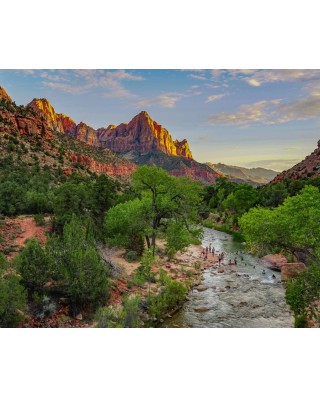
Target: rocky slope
<point>250,175</point>
<point>35,133</point>
<point>141,141</point>
<point>306,169</point>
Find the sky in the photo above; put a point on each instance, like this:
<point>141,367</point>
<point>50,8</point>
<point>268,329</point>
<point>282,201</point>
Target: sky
<point>246,117</point>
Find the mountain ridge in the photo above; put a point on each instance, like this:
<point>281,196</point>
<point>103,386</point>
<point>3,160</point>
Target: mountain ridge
<point>257,175</point>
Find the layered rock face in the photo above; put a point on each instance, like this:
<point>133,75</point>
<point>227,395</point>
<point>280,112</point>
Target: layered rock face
<point>142,135</point>
<point>35,124</point>
<point>307,168</point>
<point>23,121</point>
<point>62,123</point>
<point>104,168</point>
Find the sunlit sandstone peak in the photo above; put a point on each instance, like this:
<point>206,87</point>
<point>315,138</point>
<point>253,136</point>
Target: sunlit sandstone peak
<point>141,135</point>
<point>4,95</point>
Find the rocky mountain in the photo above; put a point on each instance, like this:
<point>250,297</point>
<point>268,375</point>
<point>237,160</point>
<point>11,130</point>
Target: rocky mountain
<point>250,175</point>
<point>142,135</point>
<point>306,169</point>
<point>36,134</point>
<point>141,141</point>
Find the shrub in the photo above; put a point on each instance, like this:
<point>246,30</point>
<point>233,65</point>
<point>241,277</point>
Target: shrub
<point>34,266</point>
<point>39,219</point>
<point>12,296</point>
<point>131,256</point>
<point>82,275</point>
<point>170,298</point>
<point>128,316</point>
<point>300,322</point>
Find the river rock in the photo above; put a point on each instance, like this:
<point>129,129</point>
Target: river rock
<point>274,262</point>
<point>289,270</point>
<point>201,309</point>
<point>220,270</point>
<point>201,288</point>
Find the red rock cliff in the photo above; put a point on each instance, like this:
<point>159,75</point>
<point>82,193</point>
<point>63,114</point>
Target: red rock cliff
<point>141,135</point>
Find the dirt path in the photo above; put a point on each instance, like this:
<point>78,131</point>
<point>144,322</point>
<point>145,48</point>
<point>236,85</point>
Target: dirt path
<point>15,232</point>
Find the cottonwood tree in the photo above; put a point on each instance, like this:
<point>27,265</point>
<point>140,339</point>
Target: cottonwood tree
<point>162,200</point>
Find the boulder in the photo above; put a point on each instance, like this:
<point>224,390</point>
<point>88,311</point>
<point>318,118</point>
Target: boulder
<point>289,270</point>
<point>201,309</point>
<point>274,262</point>
<point>201,288</point>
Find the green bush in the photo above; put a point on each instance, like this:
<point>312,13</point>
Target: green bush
<point>12,296</point>
<point>128,316</point>
<point>169,299</point>
<point>82,275</point>
<point>131,256</point>
<point>300,322</point>
<point>39,219</point>
<point>35,266</point>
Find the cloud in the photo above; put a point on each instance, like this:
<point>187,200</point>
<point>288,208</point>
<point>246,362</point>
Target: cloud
<point>253,82</point>
<point>256,112</point>
<point>213,98</point>
<point>109,83</point>
<point>270,112</point>
<point>256,77</point>
<point>197,76</point>
<point>164,101</point>
<point>293,148</point>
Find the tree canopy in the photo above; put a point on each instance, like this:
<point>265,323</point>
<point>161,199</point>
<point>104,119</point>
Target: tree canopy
<point>293,226</point>
<point>161,200</point>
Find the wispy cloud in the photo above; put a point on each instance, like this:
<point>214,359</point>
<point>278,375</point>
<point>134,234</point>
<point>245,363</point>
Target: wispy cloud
<point>256,112</point>
<point>109,83</point>
<point>270,112</point>
<point>164,101</point>
<point>167,100</point>
<point>198,76</point>
<point>215,97</point>
<point>293,148</point>
<point>256,77</point>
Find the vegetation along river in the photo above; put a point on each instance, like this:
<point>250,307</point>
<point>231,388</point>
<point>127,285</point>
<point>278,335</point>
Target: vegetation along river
<point>243,296</point>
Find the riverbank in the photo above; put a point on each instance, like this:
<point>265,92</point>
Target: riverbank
<point>185,268</point>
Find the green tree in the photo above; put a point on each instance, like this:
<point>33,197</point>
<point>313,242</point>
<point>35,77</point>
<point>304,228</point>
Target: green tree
<point>126,224</point>
<point>293,226</point>
<point>83,277</point>
<point>34,266</point>
<point>241,200</point>
<point>12,296</point>
<point>303,293</point>
<point>169,197</point>
<point>70,198</point>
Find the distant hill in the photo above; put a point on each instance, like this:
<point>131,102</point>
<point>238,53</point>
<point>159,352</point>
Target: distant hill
<point>252,175</point>
<point>307,169</point>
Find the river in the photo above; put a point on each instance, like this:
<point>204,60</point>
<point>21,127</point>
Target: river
<point>243,296</point>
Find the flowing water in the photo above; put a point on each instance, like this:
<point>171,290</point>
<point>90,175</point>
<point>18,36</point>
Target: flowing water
<point>243,296</point>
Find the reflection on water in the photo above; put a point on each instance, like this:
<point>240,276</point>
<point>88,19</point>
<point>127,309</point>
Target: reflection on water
<point>243,296</point>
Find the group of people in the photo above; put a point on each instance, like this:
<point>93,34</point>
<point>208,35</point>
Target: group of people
<point>206,251</point>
